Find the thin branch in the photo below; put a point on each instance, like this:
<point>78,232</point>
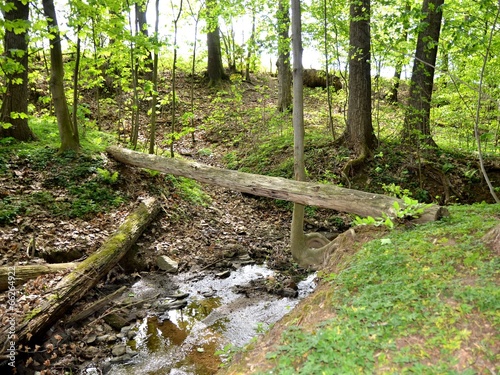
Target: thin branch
<point>478,109</point>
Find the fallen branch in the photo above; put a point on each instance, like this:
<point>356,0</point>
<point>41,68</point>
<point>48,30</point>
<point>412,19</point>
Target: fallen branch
<point>84,277</point>
<point>31,271</point>
<point>94,307</point>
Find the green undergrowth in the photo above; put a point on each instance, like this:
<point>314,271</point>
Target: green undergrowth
<point>65,184</point>
<point>189,190</point>
<point>424,300</point>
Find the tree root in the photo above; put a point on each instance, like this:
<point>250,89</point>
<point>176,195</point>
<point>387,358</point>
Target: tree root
<point>314,257</point>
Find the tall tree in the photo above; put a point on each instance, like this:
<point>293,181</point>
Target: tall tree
<point>142,25</point>
<point>392,96</point>
<point>174,68</point>
<point>14,110</point>
<point>67,134</point>
<point>215,69</point>
<point>196,19</point>
<point>307,249</point>
<point>250,47</point>
<point>417,125</point>
<point>154,79</point>
<point>359,135</point>
<point>283,63</point>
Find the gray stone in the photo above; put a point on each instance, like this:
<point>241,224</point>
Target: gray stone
<point>119,350</point>
<point>167,264</point>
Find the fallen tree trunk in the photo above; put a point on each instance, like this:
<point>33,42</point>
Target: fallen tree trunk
<point>30,271</point>
<point>85,276</point>
<point>307,193</point>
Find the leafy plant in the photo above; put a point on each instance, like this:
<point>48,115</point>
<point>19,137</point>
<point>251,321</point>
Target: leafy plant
<point>107,176</point>
<point>189,190</point>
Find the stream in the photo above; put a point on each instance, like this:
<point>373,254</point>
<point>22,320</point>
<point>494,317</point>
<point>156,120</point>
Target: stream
<point>207,313</point>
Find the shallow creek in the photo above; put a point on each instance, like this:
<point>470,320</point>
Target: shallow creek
<point>215,316</point>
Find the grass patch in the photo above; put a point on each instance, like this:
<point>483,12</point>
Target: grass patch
<point>189,190</point>
<point>411,302</point>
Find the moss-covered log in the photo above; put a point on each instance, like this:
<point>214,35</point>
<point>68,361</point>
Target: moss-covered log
<point>308,193</point>
<point>30,271</point>
<point>85,275</point>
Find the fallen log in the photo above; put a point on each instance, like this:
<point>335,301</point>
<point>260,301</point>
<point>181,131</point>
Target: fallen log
<point>30,271</point>
<point>84,277</point>
<point>94,307</point>
<point>307,193</point>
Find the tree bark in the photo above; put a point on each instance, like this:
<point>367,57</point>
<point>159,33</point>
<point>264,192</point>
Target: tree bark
<point>69,140</point>
<point>85,276</point>
<point>30,271</point>
<point>14,110</point>
<point>283,63</point>
<point>307,193</point>
<point>215,69</point>
<point>359,135</point>
<point>417,125</point>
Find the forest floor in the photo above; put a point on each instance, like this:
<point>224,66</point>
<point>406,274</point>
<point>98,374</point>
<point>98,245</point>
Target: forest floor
<point>200,226</point>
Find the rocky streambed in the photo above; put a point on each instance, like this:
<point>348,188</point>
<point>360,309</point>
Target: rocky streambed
<point>190,323</point>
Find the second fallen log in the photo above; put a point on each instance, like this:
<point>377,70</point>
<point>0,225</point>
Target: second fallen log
<point>84,276</point>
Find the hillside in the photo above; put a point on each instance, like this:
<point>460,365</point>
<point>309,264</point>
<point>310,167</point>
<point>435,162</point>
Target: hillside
<point>419,298</point>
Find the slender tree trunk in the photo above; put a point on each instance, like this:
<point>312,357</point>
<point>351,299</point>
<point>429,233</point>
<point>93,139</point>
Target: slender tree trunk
<point>14,110</point>
<point>396,80</point>
<point>327,63</point>
<point>283,64</point>
<point>76,75</point>
<point>142,24</point>
<point>174,67</point>
<point>155,82</point>
<point>69,139</point>
<point>250,48</point>
<point>359,133</point>
<point>417,118</point>
<point>193,67</point>
<point>96,65</point>
<point>392,97</point>
<point>134,135</point>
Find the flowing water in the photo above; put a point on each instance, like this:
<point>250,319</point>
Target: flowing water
<point>185,341</point>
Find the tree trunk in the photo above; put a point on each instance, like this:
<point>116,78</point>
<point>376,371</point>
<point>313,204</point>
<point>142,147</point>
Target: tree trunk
<point>359,133</point>
<point>215,69</point>
<point>85,276</point>
<point>307,193</point>
<point>392,96</point>
<point>417,125</point>
<point>142,25</point>
<point>30,271</point>
<point>196,18</point>
<point>174,96</point>
<point>283,64</point>
<point>14,110</point>
<point>69,140</point>
<point>154,79</point>
<point>76,77</point>
<point>250,48</point>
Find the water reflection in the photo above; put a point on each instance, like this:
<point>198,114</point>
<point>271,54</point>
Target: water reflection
<point>185,341</point>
